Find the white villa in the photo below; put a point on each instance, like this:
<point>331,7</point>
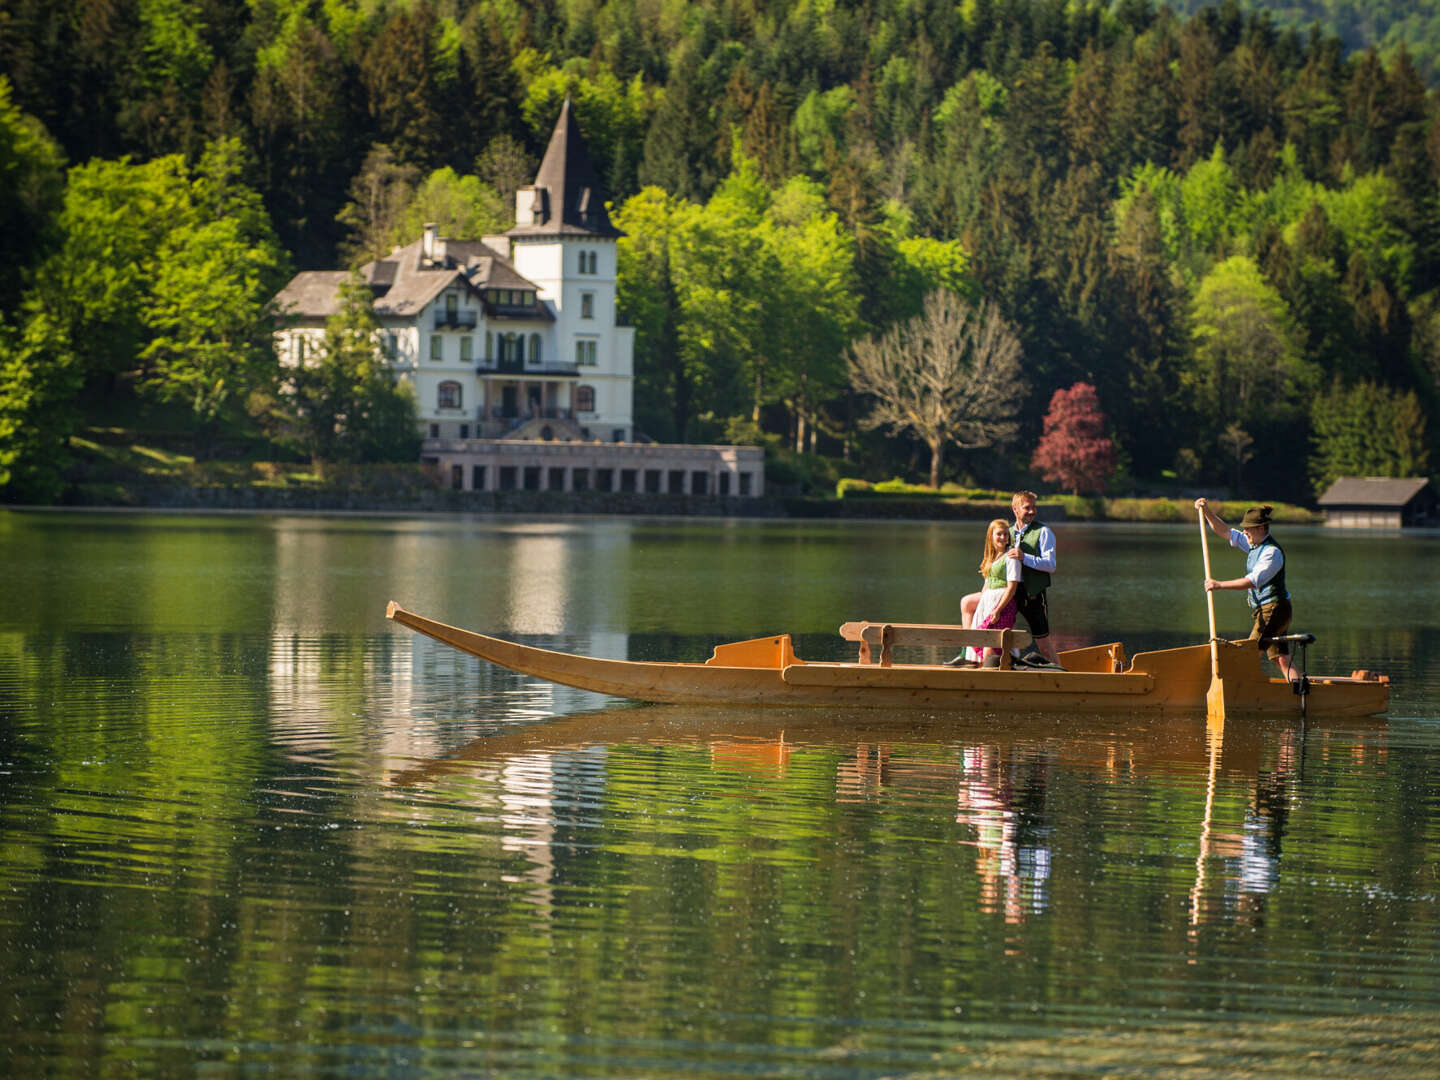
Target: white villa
<point>512,340</point>
<point>507,336</point>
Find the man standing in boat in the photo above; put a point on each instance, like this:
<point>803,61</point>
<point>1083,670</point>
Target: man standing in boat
<point>1035,548</point>
<point>1264,579</point>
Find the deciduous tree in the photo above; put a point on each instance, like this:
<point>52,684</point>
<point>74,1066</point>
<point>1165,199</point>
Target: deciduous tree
<point>950,375</point>
<point>344,404</point>
<point>1247,367</point>
<point>165,277</point>
<point>461,206</point>
<point>39,378</point>
<point>1074,450</point>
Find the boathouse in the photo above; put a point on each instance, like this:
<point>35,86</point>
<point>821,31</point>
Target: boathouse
<point>1380,502</point>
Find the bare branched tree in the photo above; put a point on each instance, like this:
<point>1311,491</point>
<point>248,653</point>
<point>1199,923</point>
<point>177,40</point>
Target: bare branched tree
<point>950,375</point>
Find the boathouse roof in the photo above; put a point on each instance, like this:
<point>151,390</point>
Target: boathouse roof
<point>1378,491</point>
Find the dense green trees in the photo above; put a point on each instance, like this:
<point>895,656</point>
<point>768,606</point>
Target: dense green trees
<point>163,280</point>
<point>1208,216</point>
<point>343,404</point>
<point>1367,430</point>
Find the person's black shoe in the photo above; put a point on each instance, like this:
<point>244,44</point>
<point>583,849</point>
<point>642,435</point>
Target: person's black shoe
<point>960,661</point>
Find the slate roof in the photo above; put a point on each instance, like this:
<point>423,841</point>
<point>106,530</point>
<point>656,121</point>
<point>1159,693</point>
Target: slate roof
<point>404,282</point>
<point>1379,491</point>
<point>568,188</point>
<point>311,294</point>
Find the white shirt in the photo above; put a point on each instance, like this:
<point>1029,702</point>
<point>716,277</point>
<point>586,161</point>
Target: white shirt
<point>1267,565</point>
<point>1045,542</point>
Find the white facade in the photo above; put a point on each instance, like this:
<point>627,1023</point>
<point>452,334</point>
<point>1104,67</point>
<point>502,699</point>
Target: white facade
<point>576,276</point>
<point>502,337</point>
<point>490,351</point>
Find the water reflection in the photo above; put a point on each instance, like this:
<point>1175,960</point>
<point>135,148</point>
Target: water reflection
<point>1023,803</point>
<point>1003,801</point>
<point>245,824</point>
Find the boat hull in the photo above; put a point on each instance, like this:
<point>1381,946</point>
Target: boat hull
<point>766,672</point>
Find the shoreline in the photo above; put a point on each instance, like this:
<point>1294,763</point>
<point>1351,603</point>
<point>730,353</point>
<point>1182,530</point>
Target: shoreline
<point>586,504</point>
<point>277,499</point>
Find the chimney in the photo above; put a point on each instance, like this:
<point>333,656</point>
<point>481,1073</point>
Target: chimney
<point>427,249</point>
<point>531,206</point>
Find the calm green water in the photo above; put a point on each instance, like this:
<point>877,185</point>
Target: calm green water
<point>250,828</point>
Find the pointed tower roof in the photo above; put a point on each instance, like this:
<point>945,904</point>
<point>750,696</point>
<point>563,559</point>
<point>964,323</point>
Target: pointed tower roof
<point>568,196</point>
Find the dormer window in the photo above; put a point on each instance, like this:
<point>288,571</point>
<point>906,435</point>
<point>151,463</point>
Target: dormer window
<point>510,298</point>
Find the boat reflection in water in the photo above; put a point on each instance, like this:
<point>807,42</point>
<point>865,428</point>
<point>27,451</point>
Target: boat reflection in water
<point>1010,782</point>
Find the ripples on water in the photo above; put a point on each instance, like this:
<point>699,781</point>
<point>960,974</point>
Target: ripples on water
<point>383,856</point>
<point>356,855</point>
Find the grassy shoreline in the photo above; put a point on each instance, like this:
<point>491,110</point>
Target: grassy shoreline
<point>113,469</point>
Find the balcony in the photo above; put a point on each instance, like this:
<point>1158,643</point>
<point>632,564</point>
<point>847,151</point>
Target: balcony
<point>511,366</point>
<point>526,412</point>
<point>457,320</point>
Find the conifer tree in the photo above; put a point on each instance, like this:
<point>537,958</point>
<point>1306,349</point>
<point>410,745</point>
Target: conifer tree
<point>1367,429</point>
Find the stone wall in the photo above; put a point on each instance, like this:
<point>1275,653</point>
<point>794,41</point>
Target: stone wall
<point>639,504</point>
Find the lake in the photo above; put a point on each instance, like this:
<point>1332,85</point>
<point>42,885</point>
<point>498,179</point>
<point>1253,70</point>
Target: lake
<point>250,828</point>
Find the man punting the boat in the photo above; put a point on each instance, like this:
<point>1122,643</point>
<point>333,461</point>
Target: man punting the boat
<point>1264,579</point>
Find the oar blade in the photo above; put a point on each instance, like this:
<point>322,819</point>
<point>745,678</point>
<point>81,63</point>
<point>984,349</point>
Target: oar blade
<point>1215,700</point>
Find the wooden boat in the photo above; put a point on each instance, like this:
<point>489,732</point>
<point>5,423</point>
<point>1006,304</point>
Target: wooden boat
<point>766,671</point>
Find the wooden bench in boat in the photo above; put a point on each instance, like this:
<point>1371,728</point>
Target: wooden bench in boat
<point>888,635</point>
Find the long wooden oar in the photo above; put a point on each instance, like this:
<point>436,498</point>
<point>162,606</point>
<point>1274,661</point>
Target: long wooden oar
<point>1215,696</point>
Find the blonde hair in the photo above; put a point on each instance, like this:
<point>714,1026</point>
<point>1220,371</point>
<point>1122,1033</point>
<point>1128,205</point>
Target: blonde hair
<point>991,551</point>
<point>1022,494</point>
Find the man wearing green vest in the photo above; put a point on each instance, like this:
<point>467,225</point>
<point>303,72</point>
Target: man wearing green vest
<point>1035,548</point>
<point>1264,579</point>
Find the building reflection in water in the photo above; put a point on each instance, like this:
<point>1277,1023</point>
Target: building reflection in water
<point>537,584</point>
<point>411,693</point>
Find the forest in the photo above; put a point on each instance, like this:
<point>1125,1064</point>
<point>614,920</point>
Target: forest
<point>1218,229</point>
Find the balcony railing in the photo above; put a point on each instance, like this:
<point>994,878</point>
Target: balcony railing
<point>526,412</point>
<point>461,320</point>
<point>514,366</point>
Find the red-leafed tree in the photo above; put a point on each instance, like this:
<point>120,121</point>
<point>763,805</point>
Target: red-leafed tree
<point>1074,451</point>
